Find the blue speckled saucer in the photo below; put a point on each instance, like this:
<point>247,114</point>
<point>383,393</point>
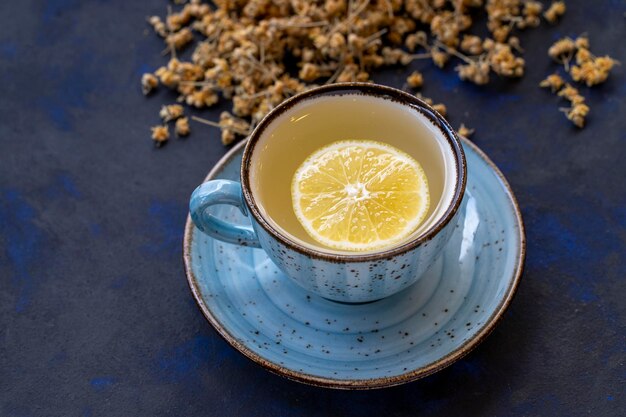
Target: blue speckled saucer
<point>299,335</point>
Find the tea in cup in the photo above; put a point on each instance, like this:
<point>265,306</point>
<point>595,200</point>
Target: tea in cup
<point>352,190</point>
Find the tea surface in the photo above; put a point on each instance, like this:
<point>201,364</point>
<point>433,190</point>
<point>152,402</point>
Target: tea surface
<point>315,123</point>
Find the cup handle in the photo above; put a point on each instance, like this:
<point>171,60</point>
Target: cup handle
<point>221,192</point>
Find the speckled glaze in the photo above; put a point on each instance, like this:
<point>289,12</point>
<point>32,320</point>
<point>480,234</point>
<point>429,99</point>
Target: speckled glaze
<point>349,278</point>
<point>409,335</point>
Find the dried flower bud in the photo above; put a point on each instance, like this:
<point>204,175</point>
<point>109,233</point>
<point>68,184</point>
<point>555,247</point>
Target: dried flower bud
<point>202,98</point>
<point>309,72</point>
<point>441,109</point>
<point>465,131</point>
<point>176,21</point>
<point>439,57</point>
<point>583,55</point>
<point>148,83</point>
<point>182,127</point>
<point>582,42</point>
<point>501,33</point>
<point>593,71</point>
<point>228,136</point>
<point>393,56</point>
<point>515,43</point>
<point>476,72</point>
<point>532,8</point>
<point>554,82</point>
<point>171,112</point>
<point>415,80</point>
<point>416,39</point>
<point>562,48</point>
<point>167,77</point>
<point>472,44</point>
<point>160,134</point>
<point>158,26</point>
<point>555,11</point>
<point>577,114</point>
<point>503,62</point>
<point>446,27</point>
<point>178,40</point>
<point>335,7</point>
<point>570,93</point>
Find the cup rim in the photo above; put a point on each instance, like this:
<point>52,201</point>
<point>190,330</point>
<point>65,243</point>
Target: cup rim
<point>375,90</point>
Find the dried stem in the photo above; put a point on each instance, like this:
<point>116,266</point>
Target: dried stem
<point>454,52</point>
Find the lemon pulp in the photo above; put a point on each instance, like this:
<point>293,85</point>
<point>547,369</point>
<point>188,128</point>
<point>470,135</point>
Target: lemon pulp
<point>360,195</point>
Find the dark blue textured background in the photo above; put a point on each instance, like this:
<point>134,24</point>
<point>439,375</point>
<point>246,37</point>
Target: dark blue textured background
<point>96,318</point>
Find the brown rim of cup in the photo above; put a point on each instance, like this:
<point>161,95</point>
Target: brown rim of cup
<point>379,91</point>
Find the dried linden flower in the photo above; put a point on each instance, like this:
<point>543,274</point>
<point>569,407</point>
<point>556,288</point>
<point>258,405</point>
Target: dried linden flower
<point>593,71</point>
<point>554,82</point>
<point>415,80</point>
<point>577,113</point>
<point>178,40</point>
<point>167,77</point>
<point>158,26</point>
<point>182,126</point>
<point>570,93</point>
<point>476,72</point>
<point>472,44</point>
<point>555,11</point>
<point>465,131</point>
<point>441,109</point>
<point>503,62</point>
<point>561,49</point>
<point>240,47</point>
<point>439,58</point>
<point>532,11</point>
<point>582,42</point>
<point>583,55</point>
<point>148,83</point>
<point>171,112</point>
<point>160,134</point>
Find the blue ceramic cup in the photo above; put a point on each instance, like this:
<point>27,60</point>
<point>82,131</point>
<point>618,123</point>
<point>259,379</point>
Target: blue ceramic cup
<point>352,277</point>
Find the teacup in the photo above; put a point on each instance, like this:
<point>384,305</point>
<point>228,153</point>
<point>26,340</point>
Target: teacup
<point>351,277</point>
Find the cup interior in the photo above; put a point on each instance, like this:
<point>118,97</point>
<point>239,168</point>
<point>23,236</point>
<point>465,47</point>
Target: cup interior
<point>305,123</point>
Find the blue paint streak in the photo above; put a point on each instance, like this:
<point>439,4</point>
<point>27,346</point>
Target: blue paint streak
<point>23,241</point>
<point>120,282</point>
<point>58,359</point>
<point>69,186</point>
<point>620,215</point>
<point>55,8</point>
<point>559,245</point>
<point>95,229</point>
<point>445,80</point>
<point>67,89</point>
<point>167,220</point>
<point>56,112</point>
<point>573,241</point>
<point>8,50</point>
<point>191,359</point>
<point>609,398</point>
<point>63,186</point>
<point>471,367</point>
<point>103,382</point>
<point>142,69</point>
<point>184,360</point>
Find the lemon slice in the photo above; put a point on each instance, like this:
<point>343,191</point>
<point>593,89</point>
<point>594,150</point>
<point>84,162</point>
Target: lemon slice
<point>360,195</point>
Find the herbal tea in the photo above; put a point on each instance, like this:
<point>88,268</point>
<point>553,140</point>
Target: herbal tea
<point>319,122</point>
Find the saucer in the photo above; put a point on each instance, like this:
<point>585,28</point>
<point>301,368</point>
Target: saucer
<point>428,326</point>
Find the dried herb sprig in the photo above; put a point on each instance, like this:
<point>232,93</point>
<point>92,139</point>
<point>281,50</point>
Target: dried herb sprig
<point>589,69</point>
<point>242,46</point>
